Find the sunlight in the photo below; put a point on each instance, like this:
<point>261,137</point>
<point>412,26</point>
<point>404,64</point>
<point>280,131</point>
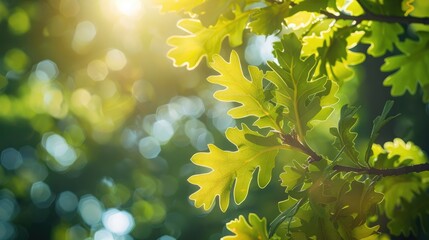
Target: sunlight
<point>128,7</point>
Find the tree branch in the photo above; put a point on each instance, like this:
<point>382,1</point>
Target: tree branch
<point>385,172</point>
<point>292,140</point>
<point>379,18</point>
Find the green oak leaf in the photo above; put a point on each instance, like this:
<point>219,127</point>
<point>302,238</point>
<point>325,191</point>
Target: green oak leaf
<point>378,123</point>
<point>298,90</point>
<point>359,201</point>
<point>398,189</point>
<point>268,20</point>
<point>233,170</point>
<point>405,219</point>
<point>249,93</point>
<point>411,66</point>
<point>336,54</point>
<point>292,176</point>
<point>189,50</point>
<point>382,37</point>
<point>256,228</point>
<point>345,137</point>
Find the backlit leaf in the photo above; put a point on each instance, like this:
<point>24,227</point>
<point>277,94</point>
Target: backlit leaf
<point>189,50</point>
<point>298,90</point>
<point>382,37</point>
<point>249,93</point>
<point>411,68</point>
<point>256,228</point>
<point>404,200</point>
<point>233,170</point>
<point>292,176</point>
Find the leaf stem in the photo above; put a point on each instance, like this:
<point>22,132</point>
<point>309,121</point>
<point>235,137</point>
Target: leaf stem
<point>375,17</point>
<point>385,172</point>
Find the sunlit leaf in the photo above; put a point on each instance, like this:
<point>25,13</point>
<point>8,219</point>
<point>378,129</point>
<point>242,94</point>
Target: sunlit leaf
<point>404,190</point>
<point>298,90</point>
<point>233,170</point>
<point>411,68</point>
<point>189,50</point>
<point>407,6</point>
<point>249,93</point>
<point>292,176</point>
<point>382,37</point>
<point>256,228</point>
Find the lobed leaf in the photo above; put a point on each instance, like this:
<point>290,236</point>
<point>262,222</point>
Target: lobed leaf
<point>256,228</point>
<point>403,187</point>
<point>378,123</point>
<point>411,68</point>
<point>298,90</point>
<point>345,137</point>
<point>382,37</point>
<point>232,171</point>
<point>268,20</point>
<point>189,50</point>
<point>249,93</point>
<point>408,215</point>
<point>292,176</point>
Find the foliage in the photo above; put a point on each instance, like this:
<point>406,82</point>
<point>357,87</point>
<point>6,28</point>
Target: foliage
<point>97,127</point>
<point>327,197</point>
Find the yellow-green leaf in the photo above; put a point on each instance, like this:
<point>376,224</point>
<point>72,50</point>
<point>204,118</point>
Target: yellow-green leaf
<point>189,50</point>
<point>249,93</point>
<point>298,90</point>
<point>232,171</point>
<point>382,37</point>
<point>255,229</point>
<point>411,66</point>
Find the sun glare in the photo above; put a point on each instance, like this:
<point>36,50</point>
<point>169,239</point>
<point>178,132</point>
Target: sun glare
<point>128,7</point>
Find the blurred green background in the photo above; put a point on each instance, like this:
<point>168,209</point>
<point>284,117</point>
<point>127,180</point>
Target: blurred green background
<point>97,127</point>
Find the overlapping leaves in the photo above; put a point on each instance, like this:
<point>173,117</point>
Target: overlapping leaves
<point>404,190</point>
<point>298,90</point>
<point>345,136</point>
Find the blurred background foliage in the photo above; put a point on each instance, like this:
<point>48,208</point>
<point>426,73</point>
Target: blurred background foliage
<point>97,127</point>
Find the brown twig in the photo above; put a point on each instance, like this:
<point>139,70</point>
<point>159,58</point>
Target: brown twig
<point>292,140</point>
<point>385,172</point>
<point>368,16</point>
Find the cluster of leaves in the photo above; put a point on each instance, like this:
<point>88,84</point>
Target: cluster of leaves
<point>326,198</point>
<point>328,28</point>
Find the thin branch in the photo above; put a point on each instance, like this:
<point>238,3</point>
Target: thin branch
<point>375,17</point>
<point>292,140</point>
<point>385,172</point>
